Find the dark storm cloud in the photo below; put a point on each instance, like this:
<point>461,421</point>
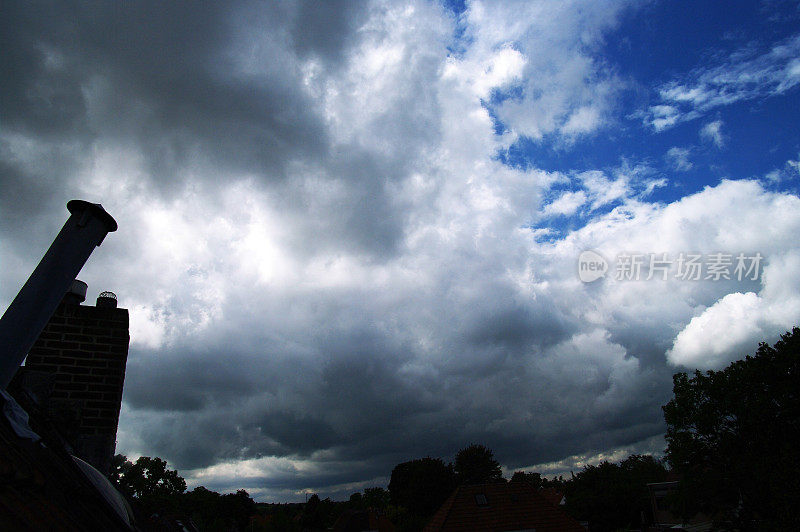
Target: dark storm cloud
<point>214,87</point>
<point>361,213</point>
<point>39,95</point>
<point>515,327</point>
<point>160,75</point>
<point>188,379</point>
<point>281,404</point>
<point>22,187</point>
<point>353,390</point>
<point>171,72</point>
<point>325,29</point>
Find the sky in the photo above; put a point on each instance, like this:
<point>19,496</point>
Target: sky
<point>353,234</point>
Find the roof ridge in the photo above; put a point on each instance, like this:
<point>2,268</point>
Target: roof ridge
<point>443,512</point>
<point>448,504</point>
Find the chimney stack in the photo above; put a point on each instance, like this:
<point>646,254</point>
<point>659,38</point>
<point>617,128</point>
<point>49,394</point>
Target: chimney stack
<point>77,371</point>
<point>30,311</point>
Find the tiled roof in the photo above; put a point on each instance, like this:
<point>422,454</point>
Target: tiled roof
<point>552,495</point>
<point>503,506</point>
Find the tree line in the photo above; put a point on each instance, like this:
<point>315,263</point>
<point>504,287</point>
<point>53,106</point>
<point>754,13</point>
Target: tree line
<point>160,500</point>
<point>609,496</point>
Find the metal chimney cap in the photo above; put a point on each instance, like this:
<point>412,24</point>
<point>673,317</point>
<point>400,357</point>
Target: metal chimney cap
<point>107,300</point>
<point>80,206</point>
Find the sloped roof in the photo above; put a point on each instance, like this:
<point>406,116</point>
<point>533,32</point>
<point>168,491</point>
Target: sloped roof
<point>552,495</point>
<point>43,488</point>
<point>503,506</point>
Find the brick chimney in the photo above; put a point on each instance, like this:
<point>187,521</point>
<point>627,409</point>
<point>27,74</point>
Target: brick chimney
<point>76,369</point>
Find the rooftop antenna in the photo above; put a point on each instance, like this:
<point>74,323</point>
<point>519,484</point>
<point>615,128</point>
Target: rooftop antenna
<point>36,301</point>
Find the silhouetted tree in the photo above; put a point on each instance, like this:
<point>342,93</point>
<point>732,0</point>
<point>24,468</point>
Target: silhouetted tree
<point>476,465</point>
<point>146,477</point>
<point>421,485</point>
<point>201,503</point>
<point>154,489</point>
<point>119,463</point>
<point>614,496</point>
<point>732,435</point>
<point>557,483</point>
<point>534,479</point>
<point>319,514</point>
<point>377,498</point>
<point>236,508</point>
<point>212,511</point>
<point>148,484</point>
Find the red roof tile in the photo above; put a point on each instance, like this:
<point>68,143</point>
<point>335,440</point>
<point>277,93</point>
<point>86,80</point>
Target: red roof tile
<point>552,495</point>
<point>509,506</point>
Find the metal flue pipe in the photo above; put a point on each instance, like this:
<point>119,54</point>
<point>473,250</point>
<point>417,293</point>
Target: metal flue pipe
<point>35,303</point>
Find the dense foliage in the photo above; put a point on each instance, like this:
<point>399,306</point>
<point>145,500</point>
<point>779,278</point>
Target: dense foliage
<point>419,487</point>
<point>538,481</point>
<point>422,485</point>
<point>158,497</point>
<point>475,464</point>
<point>732,435</point>
<point>146,478</point>
<point>614,496</point>
<point>211,511</point>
